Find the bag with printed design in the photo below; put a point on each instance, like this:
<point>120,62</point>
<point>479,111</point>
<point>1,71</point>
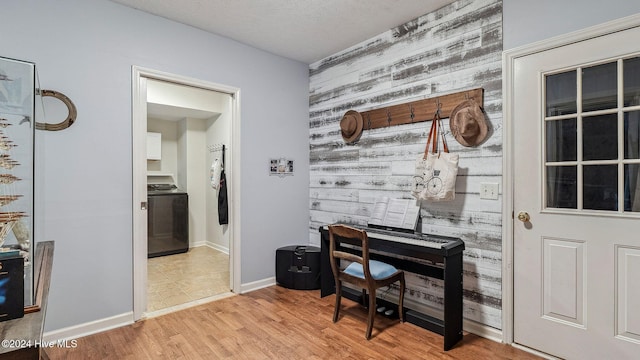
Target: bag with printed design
<point>436,171</point>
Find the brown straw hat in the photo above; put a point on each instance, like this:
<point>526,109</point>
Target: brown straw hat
<point>351,126</point>
<point>468,124</point>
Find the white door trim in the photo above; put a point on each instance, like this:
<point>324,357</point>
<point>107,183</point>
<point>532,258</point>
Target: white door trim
<point>508,59</point>
<point>139,130</point>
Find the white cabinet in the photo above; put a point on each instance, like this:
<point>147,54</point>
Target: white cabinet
<point>154,146</point>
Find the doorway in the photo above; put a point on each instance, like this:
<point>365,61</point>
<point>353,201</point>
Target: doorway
<point>190,122</point>
<point>573,160</point>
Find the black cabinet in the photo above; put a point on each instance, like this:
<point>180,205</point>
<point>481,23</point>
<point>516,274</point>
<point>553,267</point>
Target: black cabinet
<point>167,223</point>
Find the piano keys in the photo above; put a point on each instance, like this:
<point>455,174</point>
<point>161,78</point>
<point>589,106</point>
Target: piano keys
<point>441,243</point>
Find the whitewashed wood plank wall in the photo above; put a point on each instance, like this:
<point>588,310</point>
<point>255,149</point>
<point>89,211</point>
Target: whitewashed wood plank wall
<point>455,48</point>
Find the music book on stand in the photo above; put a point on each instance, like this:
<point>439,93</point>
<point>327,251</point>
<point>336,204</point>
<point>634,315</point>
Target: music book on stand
<point>395,214</point>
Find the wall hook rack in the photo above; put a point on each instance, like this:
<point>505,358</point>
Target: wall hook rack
<point>420,110</point>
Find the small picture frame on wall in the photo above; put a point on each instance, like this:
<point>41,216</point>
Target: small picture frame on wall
<point>281,167</point>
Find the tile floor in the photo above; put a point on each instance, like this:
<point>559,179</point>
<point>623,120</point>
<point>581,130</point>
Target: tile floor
<point>177,279</point>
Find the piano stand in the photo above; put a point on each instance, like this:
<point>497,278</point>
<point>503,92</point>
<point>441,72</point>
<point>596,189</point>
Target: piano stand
<point>446,265</point>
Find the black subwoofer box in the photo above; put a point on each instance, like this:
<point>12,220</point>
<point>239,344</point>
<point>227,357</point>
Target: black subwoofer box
<point>298,267</point>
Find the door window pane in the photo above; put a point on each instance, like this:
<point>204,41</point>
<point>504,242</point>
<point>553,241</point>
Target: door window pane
<point>632,81</point>
<point>600,137</point>
<point>600,189</point>
<point>631,135</point>
<point>561,93</point>
<point>592,163</point>
<point>562,187</point>
<point>632,187</point>
<point>562,140</point>
<point>599,87</point>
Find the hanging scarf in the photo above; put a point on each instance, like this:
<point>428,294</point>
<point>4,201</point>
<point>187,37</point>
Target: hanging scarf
<point>223,204</point>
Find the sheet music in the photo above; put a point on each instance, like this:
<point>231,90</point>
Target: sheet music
<point>398,213</point>
<point>379,210</point>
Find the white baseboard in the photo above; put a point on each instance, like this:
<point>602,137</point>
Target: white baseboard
<point>93,327</point>
<point>218,247</point>
<point>481,330</point>
<point>210,244</point>
<point>256,285</point>
<point>197,244</point>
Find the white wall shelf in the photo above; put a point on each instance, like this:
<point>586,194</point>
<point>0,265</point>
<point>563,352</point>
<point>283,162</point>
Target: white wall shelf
<point>159,173</point>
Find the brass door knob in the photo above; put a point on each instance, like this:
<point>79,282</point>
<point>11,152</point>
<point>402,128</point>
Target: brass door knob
<point>524,216</point>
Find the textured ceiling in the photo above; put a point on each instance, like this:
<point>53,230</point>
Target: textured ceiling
<point>303,30</point>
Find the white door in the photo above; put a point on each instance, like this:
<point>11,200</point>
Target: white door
<point>576,173</point>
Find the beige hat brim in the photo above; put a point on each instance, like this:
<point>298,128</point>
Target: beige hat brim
<point>455,123</point>
<point>359,126</point>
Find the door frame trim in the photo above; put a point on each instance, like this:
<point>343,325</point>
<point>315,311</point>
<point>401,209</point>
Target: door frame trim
<point>139,170</point>
<point>509,58</point>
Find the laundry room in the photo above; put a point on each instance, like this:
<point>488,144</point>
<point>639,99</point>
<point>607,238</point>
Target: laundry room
<point>188,132</point>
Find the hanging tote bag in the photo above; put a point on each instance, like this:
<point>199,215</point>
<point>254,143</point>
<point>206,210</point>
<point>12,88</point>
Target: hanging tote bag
<point>436,171</point>
<point>417,186</point>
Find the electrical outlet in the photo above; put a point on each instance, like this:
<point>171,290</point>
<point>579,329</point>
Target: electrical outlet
<point>489,191</point>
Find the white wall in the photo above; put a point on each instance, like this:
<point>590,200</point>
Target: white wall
<point>192,162</point>
<point>85,49</point>
<point>527,21</point>
<point>455,48</point>
<point>218,131</point>
<point>196,135</point>
<point>195,160</point>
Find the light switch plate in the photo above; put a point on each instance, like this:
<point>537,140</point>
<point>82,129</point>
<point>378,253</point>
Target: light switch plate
<point>489,191</point>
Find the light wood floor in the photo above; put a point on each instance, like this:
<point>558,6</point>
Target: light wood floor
<point>276,323</point>
<point>177,279</point>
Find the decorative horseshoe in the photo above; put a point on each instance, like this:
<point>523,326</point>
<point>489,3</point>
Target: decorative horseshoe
<point>71,118</point>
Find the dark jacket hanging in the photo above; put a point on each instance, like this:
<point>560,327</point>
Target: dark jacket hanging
<point>223,205</point>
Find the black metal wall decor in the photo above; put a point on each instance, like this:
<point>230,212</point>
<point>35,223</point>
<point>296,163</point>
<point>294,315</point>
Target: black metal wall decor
<point>71,108</point>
